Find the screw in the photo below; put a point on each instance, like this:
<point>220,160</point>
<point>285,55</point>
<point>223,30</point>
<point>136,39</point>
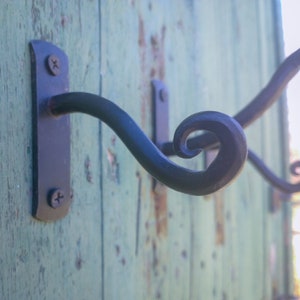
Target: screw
<point>56,198</point>
<point>163,94</point>
<point>53,65</point>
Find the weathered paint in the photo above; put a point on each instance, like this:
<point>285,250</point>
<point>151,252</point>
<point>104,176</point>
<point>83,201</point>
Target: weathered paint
<point>122,239</point>
<point>48,260</point>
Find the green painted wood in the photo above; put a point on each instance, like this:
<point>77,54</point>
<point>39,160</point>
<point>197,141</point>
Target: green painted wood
<point>121,239</point>
<point>38,260</point>
<point>213,56</point>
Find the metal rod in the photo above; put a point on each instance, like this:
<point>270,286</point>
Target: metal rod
<point>251,112</point>
<point>228,163</point>
<point>279,183</point>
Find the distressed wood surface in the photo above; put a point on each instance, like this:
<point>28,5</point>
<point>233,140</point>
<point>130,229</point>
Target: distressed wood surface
<point>48,260</point>
<point>213,56</point>
<point>121,239</point>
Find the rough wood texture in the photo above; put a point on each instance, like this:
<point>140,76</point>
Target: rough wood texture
<point>59,260</point>
<point>121,240</point>
<point>213,56</point>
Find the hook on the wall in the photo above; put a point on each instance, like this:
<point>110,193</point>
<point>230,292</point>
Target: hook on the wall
<point>51,134</point>
<point>51,154</point>
<point>251,112</point>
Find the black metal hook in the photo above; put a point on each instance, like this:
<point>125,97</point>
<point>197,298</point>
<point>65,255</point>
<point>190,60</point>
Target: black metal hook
<point>50,91</point>
<point>228,163</point>
<point>51,141</point>
<point>251,112</point>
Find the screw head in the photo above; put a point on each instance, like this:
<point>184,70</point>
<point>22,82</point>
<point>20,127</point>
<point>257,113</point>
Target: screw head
<point>56,198</point>
<point>53,64</point>
<point>163,95</point>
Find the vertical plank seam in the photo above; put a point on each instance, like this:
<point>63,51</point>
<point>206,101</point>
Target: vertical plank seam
<point>101,161</point>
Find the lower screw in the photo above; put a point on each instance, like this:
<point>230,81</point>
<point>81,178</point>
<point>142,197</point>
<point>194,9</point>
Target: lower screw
<point>56,198</point>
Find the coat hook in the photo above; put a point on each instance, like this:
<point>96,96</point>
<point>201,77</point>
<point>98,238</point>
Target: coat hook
<point>52,104</point>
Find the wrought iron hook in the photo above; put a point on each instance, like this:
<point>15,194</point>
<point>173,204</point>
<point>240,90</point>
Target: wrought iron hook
<point>251,112</point>
<point>50,77</point>
<point>228,163</point>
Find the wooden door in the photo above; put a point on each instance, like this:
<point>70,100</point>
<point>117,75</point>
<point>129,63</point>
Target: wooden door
<point>121,239</point>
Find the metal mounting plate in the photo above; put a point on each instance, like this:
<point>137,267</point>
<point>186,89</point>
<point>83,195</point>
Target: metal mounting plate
<point>51,136</point>
<point>160,113</point>
<point>160,101</point>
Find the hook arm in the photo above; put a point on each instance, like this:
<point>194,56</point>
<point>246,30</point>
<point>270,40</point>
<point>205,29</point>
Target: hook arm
<point>251,112</point>
<point>224,168</point>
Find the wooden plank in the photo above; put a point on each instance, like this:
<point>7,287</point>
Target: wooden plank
<point>59,260</point>
<point>213,56</point>
<point>121,240</point>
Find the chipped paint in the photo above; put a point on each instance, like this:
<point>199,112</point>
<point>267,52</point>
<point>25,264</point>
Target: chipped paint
<point>219,217</point>
<point>113,166</point>
<point>157,42</point>
<point>161,209</point>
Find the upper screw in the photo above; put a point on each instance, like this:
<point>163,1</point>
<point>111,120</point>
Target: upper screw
<point>56,198</point>
<point>53,64</point>
<point>163,95</point>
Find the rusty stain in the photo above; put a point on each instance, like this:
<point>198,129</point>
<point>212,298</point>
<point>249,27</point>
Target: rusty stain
<point>152,64</point>
<point>219,218</point>
<point>145,89</point>
<point>113,166</point>
<point>161,209</point>
<point>87,169</point>
<point>158,49</point>
<point>141,40</point>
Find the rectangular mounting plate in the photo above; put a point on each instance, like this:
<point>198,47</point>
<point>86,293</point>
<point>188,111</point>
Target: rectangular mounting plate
<point>160,102</point>
<point>160,113</point>
<point>51,135</point>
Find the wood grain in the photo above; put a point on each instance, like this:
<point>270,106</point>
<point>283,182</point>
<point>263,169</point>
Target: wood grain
<point>121,239</point>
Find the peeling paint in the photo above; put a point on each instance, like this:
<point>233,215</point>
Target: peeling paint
<point>219,218</point>
<point>161,209</point>
<point>158,52</point>
<point>113,165</point>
